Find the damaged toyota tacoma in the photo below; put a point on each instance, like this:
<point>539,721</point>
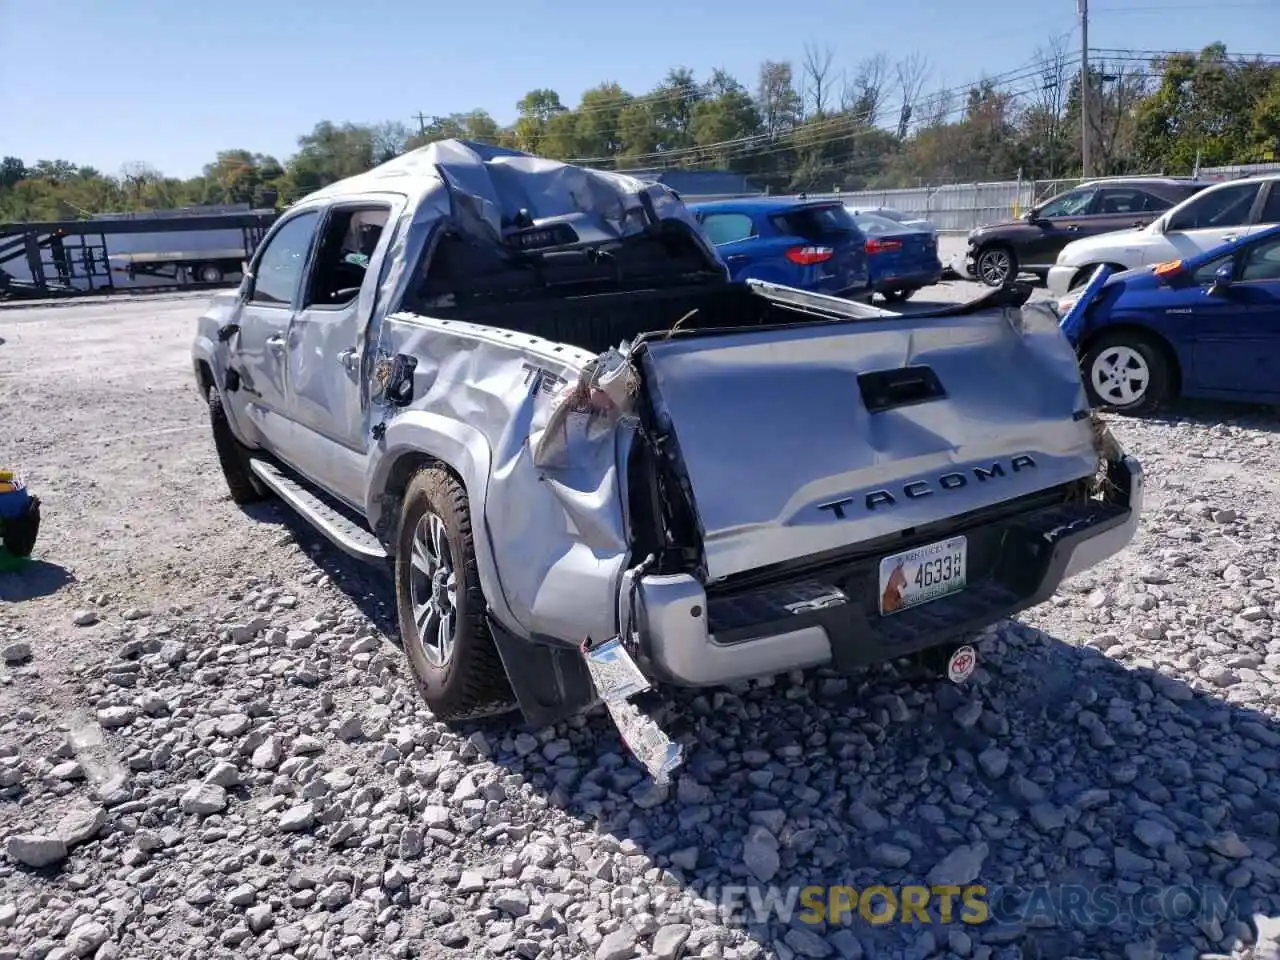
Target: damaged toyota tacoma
<point>532,390</point>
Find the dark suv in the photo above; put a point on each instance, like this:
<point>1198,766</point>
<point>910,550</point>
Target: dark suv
<point>999,251</point>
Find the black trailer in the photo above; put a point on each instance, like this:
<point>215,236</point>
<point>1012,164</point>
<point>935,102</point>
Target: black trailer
<point>75,257</point>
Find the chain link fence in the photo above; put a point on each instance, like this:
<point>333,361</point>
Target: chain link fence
<point>957,208</point>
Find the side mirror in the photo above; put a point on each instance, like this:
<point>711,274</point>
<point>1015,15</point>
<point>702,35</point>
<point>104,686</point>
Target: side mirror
<point>1222,277</point>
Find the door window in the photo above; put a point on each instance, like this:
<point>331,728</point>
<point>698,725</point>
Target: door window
<point>728,227</point>
<point>1225,207</point>
<point>347,245</point>
<point>1208,272</point>
<point>281,265</point>
<point>1117,201</point>
<point>1071,204</point>
<point>1261,262</point>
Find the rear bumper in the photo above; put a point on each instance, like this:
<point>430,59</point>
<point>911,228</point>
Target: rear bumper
<point>908,281</point>
<point>694,639</point>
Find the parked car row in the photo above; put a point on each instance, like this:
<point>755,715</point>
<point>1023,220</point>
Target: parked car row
<point>998,252</point>
<point>823,246</point>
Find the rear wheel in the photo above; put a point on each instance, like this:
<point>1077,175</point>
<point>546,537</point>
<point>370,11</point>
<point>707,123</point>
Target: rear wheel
<point>1127,372</point>
<point>209,273</point>
<point>441,605</point>
<point>898,296</point>
<point>996,265</point>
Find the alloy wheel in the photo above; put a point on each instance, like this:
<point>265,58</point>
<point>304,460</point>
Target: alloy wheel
<point>1120,376</point>
<point>993,267</point>
<point>433,589</point>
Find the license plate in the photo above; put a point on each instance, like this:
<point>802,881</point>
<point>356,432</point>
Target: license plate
<point>923,574</point>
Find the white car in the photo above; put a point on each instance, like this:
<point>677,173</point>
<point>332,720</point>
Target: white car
<point>906,219</point>
<point>1213,216</point>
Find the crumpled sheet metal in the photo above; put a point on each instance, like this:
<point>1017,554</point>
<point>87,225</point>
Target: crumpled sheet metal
<point>766,440</point>
<point>553,521</point>
<point>474,186</point>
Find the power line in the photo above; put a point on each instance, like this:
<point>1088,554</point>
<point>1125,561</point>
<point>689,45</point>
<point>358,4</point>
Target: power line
<point>743,153</point>
<point>1033,68</point>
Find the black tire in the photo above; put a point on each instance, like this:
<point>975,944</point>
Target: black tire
<point>1123,350</point>
<point>898,296</point>
<point>471,681</point>
<point>20,532</point>
<point>996,265</point>
<point>233,456</point>
<point>209,273</point>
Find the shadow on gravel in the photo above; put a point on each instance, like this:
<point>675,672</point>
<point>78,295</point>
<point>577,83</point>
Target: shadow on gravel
<point>1087,807</point>
<point>1092,807</point>
<point>32,579</point>
<point>1253,416</point>
<point>368,586</point>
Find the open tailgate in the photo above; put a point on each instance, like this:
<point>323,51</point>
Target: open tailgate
<point>801,439</point>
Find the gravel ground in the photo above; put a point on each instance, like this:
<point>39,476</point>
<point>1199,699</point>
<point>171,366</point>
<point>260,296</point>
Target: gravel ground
<point>209,745</point>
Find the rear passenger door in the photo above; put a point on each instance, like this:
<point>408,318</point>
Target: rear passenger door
<point>271,293</point>
<point>1213,217</point>
<point>1123,208</point>
<point>734,235</point>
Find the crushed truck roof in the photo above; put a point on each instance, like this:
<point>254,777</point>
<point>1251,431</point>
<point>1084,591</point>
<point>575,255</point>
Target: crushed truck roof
<point>488,192</point>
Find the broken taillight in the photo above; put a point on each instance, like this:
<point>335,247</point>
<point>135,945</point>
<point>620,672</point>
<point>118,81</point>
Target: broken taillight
<point>883,246</point>
<point>808,256</point>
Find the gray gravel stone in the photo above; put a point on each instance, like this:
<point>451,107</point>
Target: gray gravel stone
<point>204,799</point>
<point>36,849</point>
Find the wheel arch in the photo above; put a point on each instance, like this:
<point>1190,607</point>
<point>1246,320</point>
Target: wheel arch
<point>1132,327</point>
<point>418,439</point>
<point>1083,273</point>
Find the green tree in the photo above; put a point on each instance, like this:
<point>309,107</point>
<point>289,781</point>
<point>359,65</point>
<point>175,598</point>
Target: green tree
<point>536,110</point>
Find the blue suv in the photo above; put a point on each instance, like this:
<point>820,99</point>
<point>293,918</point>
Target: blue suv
<point>813,245</point>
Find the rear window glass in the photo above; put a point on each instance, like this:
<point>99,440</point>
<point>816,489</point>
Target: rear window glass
<point>816,221</point>
<point>873,224</point>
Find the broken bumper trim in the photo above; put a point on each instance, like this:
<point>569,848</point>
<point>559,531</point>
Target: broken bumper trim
<point>692,639</point>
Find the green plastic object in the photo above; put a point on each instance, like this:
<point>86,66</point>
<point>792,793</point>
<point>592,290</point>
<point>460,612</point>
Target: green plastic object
<point>11,564</point>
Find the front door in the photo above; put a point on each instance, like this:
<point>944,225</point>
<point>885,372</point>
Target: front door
<point>261,347</point>
<point>1237,328</point>
<point>327,355</point>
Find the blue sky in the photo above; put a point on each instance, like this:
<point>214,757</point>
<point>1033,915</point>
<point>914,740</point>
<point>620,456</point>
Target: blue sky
<point>171,82</point>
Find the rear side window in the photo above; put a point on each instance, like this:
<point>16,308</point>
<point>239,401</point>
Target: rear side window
<point>1271,209</point>
<point>1115,200</point>
<point>728,227</point>
<point>815,222</point>
<point>1225,207</point>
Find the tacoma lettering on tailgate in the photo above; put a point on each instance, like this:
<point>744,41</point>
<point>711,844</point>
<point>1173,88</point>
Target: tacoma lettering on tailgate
<point>915,489</point>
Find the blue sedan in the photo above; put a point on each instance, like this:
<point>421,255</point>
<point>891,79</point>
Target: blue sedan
<point>813,245</point>
<point>1206,327</point>
<point>903,258</point>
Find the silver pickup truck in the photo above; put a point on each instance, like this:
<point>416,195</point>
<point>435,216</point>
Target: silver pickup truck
<point>532,389</point>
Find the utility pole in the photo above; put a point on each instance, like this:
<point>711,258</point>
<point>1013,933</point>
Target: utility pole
<point>422,122</point>
<point>1083,7</point>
